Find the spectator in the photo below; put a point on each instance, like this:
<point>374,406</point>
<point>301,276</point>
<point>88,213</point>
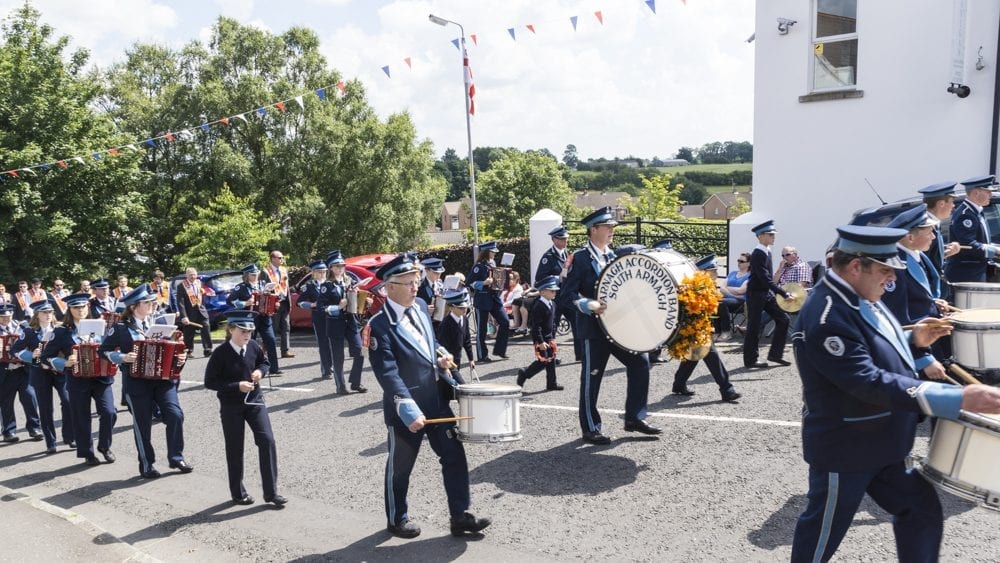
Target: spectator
<point>513,303</point>
<point>793,269</point>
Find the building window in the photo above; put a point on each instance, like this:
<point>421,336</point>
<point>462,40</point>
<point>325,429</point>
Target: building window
<point>835,45</point>
<point>454,223</point>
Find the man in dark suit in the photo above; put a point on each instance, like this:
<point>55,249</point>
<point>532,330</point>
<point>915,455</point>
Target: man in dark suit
<point>862,400</point>
<point>234,371</point>
<point>402,353</point>
<point>543,334</point>
<point>761,290</point>
<point>191,311</point>
<point>968,228</point>
<point>940,200</point>
<point>553,263</point>
<point>580,290</point>
<point>102,301</point>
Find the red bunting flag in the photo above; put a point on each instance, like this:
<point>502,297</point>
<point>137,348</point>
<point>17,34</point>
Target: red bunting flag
<point>340,86</point>
<point>169,136</point>
<point>280,106</point>
<point>408,62</point>
<point>474,42</point>
<point>62,164</point>
<point>530,27</point>
<point>113,152</point>
<point>600,16</point>
<point>13,173</point>
<point>469,86</point>
<point>224,120</point>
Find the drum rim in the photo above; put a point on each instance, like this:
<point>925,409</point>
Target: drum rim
<point>954,486</point>
<point>506,387</point>
<point>642,252</point>
<point>972,287</point>
<point>978,422</point>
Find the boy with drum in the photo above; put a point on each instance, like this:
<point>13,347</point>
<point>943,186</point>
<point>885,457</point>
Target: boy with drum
<point>543,333</point>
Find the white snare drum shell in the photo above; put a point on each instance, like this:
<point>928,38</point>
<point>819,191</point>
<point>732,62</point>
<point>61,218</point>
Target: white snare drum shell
<point>975,295</point>
<point>976,338</point>
<point>495,411</point>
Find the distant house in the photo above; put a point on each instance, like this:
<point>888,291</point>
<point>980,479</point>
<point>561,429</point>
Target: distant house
<point>456,215</point>
<point>692,211</point>
<point>675,162</point>
<point>720,206</point>
<point>593,200</point>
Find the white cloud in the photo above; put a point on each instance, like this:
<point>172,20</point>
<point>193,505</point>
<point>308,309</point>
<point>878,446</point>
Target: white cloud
<point>239,9</point>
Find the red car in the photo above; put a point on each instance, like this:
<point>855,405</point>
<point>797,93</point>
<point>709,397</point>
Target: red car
<point>358,268</point>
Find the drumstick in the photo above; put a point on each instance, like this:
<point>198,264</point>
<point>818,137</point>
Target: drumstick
<point>933,322</point>
<point>196,325</point>
<point>447,419</point>
<point>953,309</point>
<point>962,374</point>
<point>950,380</point>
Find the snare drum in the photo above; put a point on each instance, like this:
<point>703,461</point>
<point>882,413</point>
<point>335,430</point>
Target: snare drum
<point>495,410</point>
<point>975,340</point>
<point>963,456</point>
<point>640,290</point>
<point>976,295</point>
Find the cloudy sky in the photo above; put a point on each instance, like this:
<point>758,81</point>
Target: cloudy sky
<point>639,84</point>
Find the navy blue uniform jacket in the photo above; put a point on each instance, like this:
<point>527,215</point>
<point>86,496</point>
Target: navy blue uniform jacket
<point>225,370</point>
<point>581,283</point>
<point>550,264</point>
<point>859,387</point>
<point>968,228</point>
<point>406,370</point>
<point>910,296</point>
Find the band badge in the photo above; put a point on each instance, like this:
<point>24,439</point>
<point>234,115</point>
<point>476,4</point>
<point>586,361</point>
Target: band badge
<point>967,223</point>
<point>834,345</point>
<point>890,286</point>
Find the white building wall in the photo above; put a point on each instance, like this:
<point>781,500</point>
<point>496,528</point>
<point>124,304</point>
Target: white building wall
<point>811,159</point>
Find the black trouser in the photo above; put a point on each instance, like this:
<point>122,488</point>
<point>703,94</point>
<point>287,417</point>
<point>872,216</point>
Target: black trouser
<point>235,417</point>
<point>715,367</point>
<point>205,330</point>
<point>282,324</point>
<point>757,303</point>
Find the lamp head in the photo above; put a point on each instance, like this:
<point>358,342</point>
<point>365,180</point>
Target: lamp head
<point>437,20</point>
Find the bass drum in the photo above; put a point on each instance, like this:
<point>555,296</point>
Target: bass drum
<point>640,290</point>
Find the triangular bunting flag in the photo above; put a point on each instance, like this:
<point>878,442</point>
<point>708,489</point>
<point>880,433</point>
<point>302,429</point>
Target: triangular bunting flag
<point>242,117</point>
<point>280,106</point>
<point>78,159</point>
<point>96,155</point>
<point>150,142</point>
<point>302,104</point>
<point>224,120</point>
<point>510,30</point>
<point>113,152</point>
<point>321,93</point>
<point>385,69</point>
<point>131,148</point>
<point>599,16</point>
<point>341,87</point>
<point>408,62</point>
<point>29,171</point>
<point>45,167</point>
<point>185,135</point>
<point>530,27</point>
<point>572,20</point>
<point>261,112</point>
<point>474,41</point>
<point>204,127</point>
<point>169,137</point>
<point>652,5</point>
<point>455,43</point>
<point>62,164</point>
<point>12,173</point>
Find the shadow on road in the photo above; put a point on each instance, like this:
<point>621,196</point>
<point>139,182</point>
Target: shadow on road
<point>442,548</point>
<point>557,471</point>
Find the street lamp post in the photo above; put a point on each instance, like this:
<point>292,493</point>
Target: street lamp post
<point>468,133</point>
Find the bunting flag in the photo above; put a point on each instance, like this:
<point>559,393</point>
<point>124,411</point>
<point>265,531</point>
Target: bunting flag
<point>455,43</point>
<point>652,5</point>
<point>572,20</point>
<point>113,152</point>
<point>302,104</point>
<point>224,120</point>
<point>469,86</point>
<point>385,69</point>
<point>150,143</point>
<point>530,27</point>
<point>322,92</point>
<point>261,112</point>
<point>474,41</point>
<point>12,173</point>
<point>132,148</point>
<point>510,30</point>
<point>78,159</point>
<point>280,106</point>
<point>242,117</point>
<point>408,62</point>
<point>62,164</point>
<point>204,127</point>
<point>96,155</point>
<point>600,16</point>
<point>340,86</point>
<point>169,136</point>
<point>29,171</point>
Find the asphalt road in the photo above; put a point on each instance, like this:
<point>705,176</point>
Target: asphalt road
<point>725,482</point>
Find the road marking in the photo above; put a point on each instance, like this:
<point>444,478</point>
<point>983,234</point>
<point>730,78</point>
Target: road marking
<point>675,415</point>
<point>266,388</point>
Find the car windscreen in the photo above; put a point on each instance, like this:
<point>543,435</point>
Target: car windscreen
<point>226,282</point>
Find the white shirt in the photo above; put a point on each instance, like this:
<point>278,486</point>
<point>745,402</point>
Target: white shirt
<point>405,322</point>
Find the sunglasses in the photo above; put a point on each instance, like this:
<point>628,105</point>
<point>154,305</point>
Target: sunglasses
<point>742,261</point>
<point>787,255</point>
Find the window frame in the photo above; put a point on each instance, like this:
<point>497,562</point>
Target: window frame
<point>827,39</point>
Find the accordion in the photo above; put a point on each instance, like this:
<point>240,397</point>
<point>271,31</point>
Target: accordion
<point>110,320</point>
<point>157,359</point>
<point>6,341</point>
<point>265,303</point>
<point>91,363</point>
<point>501,278</point>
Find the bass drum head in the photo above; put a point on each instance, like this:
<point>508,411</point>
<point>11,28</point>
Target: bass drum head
<point>640,291</point>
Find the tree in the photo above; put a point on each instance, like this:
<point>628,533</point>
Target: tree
<point>570,157</point>
<point>693,193</point>
<point>457,175</point>
<point>658,200</point>
<point>739,208</point>
<point>227,232</point>
<point>71,223</point>
<point>685,153</point>
<point>515,188</point>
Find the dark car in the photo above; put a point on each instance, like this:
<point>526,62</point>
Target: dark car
<point>219,282</point>
<point>881,215</point>
<point>360,269</point>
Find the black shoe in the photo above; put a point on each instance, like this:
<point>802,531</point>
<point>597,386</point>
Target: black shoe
<point>277,500</point>
<point>207,352</point>
<point>558,361</point>
<point>757,365</point>
<point>152,473</point>
<point>343,392</point>
<point>36,436</point>
<point>50,451</point>
<point>521,378</point>
<point>277,373</point>
<point>485,360</point>
<point>780,361</point>
<point>244,500</point>
<point>92,461</point>
<point>325,376</point>
<point>730,395</point>
<point>640,426</point>
<point>682,391</point>
<point>287,354</point>
<point>10,438</point>
<point>182,466</point>
<point>555,387</point>
<point>109,456</point>
<point>404,529</point>
<point>596,438</point>
<point>71,444</point>
<point>467,523</point>
<point>503,356</point>
<point>359,388</point>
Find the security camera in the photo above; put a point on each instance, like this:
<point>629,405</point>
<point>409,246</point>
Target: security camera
<point>784,24</point>
<point>960,90</point>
